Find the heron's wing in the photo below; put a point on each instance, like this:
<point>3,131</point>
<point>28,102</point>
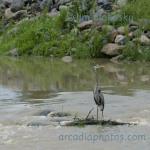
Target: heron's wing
<point>99,100</point>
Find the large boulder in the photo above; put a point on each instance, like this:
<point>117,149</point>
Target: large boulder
<point>112,49</point>
<point>17,5</point>
<point>16,16</point>
<point>8,13</point>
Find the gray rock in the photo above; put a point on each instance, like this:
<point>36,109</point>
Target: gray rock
<point>105,4</point>
<point>101,2</point>
<point>67,59</point>
<point>17,5</point>
<point>144,40</point>
<point>116,59</point>
<point>45,3</point>
<point>133,26</point>
<point>145,78</point>
<point>17,16</point>
<point>120,39</point>
<point>8,13</point>
<point>112,49</point>
<point>53,13</point>
<point>7,3</point>
<point>122,3</point>
<point>85,25</point>
<point>13,53</point>
<point>100,14</point>
<point>147,33</point>
<point>43,113</point>
<point>59,114</point>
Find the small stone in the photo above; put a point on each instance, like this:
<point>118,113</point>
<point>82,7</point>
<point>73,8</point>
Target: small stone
<point>144,40</point>
<point>120,39</point>
<point>147,33</point>
<point>13,52</point>
<point>133,26</point>
<point>85,25</point>
<point>116,59</point>
<point>67,59</point>
<point>145,78</point>
<point>112,49</point>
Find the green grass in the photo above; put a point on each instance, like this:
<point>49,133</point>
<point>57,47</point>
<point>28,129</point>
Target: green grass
<point>59,36</point>
<point>135,52</point>
<point>138,9</point>
<point>46,36</point>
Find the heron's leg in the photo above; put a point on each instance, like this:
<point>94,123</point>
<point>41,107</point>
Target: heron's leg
<point>102,115</point>
<point>97,113</point>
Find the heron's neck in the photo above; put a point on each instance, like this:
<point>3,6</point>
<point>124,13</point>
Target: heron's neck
<point>97,81</point>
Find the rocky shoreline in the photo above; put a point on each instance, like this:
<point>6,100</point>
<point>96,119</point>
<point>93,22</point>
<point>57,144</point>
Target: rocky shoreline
<point>118,36</point>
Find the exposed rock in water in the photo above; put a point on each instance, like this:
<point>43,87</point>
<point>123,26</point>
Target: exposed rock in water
<point>44,113</point>
<point>13,52</point>
<point>59,114</point>
<point>82,122</point>
<point>116,59</point>
<point>112,49</point>
<point>67,59</point>
<point>145,78</point>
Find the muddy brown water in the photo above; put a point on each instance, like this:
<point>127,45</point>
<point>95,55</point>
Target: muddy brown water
<point>32,88</point>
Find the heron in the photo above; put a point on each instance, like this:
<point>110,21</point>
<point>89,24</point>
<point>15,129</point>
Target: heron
<point>98,95</point>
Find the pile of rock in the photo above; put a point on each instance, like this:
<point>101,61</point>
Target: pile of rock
<point>17,9</point>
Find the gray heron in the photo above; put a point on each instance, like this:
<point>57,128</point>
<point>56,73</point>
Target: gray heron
<point>98,95</point>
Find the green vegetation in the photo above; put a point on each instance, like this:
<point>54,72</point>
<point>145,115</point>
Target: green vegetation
<point>138,9</point>
<point>46,36</point>
<point>136,52</point>
<point>59,36</point>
